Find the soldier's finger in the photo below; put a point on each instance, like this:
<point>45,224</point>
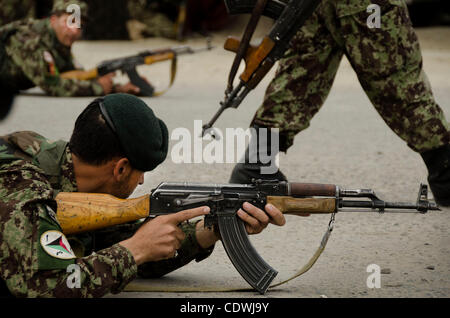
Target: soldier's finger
<point>185,215</point>
<point>257,213</point>
<point>276,216</point>
<point>249,220</point>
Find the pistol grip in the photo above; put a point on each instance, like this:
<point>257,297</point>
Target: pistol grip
<point>243,255</point>
<point>146,88</point>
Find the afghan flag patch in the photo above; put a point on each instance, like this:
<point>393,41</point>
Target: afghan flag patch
<point>55,244</point>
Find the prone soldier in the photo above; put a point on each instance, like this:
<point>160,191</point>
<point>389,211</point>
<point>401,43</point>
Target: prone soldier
<point>35,52</point>
<point>109,151</point>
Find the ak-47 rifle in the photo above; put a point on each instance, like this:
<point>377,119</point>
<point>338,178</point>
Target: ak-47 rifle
<point>80,212</point>
<point>260,59</point>
<point>127,65</point>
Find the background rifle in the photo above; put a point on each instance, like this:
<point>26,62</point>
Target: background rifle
<point>80,212</point>
<point>127,65</point>
<point>260,59</point>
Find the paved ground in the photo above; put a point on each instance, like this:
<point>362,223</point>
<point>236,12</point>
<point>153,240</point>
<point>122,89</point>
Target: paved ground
<point>347,144</point>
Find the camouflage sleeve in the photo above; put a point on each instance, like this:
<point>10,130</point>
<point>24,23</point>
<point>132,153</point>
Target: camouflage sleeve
<point>190,250</point>
<point>31,59</point>
<point>36,259</point>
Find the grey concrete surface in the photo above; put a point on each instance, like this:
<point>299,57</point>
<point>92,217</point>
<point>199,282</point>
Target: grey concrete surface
<point>347,144</point>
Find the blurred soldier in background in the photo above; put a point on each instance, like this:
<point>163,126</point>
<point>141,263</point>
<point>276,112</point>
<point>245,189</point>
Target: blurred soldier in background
<point>175,19</point>
<point>13,10</point>
<point>35,52</point>
<point>154,18</point>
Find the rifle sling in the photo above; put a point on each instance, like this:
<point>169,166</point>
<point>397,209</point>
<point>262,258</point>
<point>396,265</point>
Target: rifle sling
<point>173,73</point>
<point>146,285</point>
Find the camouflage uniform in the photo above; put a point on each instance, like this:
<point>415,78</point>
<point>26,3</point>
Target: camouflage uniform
<point>156,23</point>
<point>32,171</point>
<point>31,55</point>
<point>388,63</point>
<point>13,10</point>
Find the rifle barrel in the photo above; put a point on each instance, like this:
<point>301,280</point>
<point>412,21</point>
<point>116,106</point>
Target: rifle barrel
<point>382,205</point>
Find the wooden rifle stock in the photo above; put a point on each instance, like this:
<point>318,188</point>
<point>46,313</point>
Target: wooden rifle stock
<point>254,57</point>
<point>80,74</point>
<point>80,212</point>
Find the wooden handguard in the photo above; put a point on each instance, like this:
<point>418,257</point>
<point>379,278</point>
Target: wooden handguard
<point>80,75</point>
<point>159,57</point>
<point>81,212</point>
<point>254,57</point>
<point>290,205</point>
<point>312,189</point>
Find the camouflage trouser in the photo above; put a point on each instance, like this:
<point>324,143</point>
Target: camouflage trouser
<point>388,64</point>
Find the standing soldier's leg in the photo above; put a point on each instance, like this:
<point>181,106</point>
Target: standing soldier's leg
<point>300,86</point>
<point>388,62</point>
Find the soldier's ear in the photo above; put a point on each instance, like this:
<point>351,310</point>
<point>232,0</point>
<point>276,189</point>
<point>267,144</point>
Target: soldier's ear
<point>122,169</point>
<point>53,18</point>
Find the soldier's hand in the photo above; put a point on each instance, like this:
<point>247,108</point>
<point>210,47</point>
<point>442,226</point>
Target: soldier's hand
<point>160,238</point>
<point>128,88</point>
<point>107,83</point>
<point>256,220</point>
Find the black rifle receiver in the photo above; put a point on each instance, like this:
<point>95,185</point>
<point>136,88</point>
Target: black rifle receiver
<point>224,201</point>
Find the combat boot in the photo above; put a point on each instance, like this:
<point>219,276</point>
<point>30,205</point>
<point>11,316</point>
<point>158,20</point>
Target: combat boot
<point>256,163</point>
<point>438,164</point>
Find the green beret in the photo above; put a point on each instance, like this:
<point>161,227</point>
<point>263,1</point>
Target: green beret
<point>60,6</point>
<point>143,136</point>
